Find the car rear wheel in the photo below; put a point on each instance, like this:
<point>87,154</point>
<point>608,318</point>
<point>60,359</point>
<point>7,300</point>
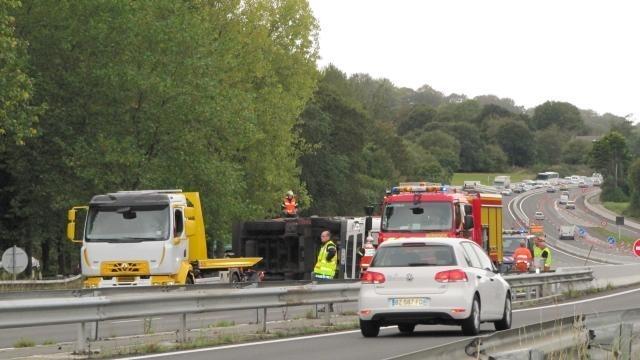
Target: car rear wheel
<point>369,328</point>
<point>406,328</point>
<point>505,322</point>
<point>471,325</point>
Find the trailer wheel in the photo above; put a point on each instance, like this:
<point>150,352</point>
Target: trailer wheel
<point>235,278</point>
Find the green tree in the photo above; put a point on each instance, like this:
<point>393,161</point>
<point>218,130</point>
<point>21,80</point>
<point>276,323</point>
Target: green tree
<point>564,115</point>
<point>18,115</point>
<point>516,141</point>
<point>444,147</point>
<point>549,143</point>
<point>576,152</point>
<point>610,156</point>
<point>634,186</point>
<point>417,119</point>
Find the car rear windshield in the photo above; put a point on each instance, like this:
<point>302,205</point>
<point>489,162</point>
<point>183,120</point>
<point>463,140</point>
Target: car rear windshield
<point>414,255</point>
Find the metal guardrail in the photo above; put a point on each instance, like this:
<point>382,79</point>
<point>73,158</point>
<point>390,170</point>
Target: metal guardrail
<point>92,305</point>
<point>604,335</point>
<point>85,307</point>
<point>552,283</point>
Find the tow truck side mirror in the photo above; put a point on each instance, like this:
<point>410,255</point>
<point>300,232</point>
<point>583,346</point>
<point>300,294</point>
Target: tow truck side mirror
<point>190,227</point>
<point>71,224</point>
<point>468,222</point>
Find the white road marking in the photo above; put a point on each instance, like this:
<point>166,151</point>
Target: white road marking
<point>184,352</point>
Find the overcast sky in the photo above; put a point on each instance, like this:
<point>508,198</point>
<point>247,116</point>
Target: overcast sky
<point>583,52</point>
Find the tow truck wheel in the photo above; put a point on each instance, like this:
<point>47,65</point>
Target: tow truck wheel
<point>189,280</point>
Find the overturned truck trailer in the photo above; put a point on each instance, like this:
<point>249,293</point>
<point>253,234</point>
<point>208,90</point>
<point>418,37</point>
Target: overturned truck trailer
<point>289,247</point>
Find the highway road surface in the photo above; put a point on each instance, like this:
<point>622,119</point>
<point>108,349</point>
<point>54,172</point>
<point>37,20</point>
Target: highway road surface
<point>351,345</point>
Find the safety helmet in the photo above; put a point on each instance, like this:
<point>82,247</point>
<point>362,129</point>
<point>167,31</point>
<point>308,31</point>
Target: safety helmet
<point>289,193</point>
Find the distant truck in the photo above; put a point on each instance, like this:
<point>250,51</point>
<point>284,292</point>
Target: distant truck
<point>502,182</point>
<point>567,232</point>
<point>150,237</point>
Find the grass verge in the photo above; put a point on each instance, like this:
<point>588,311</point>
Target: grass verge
<point>604,234</point>
<point>616,207</point>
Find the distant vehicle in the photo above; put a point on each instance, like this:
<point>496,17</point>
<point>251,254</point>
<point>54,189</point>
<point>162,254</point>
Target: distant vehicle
<point>549,176</point>
<point>538,215</point>
<point>502,182</point>
<point>575,179</point>
<point>596,181</point>
<point>527,187</point>
<point>528,182</point>
<point>470,184</point>
<point>563,199</point>
<point>551,189</point>
<point>564,187</point>
<point>582,184</point>
<point>519,189</point>
<point>567,232</point>
<point>506,192</point>
<point>571,205</point>
<point>432,281</point>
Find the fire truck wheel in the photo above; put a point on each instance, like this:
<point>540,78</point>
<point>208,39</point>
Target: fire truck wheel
<point>406,328</point>
<point>369,328</point>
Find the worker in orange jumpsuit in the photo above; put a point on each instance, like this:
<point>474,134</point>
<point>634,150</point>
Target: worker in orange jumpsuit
<point>522,257</point>
<point>290,205</point>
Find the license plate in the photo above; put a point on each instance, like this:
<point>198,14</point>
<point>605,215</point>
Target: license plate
<point>409,302</point>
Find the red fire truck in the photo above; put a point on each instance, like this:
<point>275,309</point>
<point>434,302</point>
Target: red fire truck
<point>424,209</point>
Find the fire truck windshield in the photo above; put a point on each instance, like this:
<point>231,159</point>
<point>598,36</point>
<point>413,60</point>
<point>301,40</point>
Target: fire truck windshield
<point>426,216</point>
<point>128,223</point>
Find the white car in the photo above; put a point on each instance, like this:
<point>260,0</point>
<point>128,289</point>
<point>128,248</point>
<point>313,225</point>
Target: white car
<point>571,204</point>
<point>506,192</point>
<point>418,281</point>
<point>538,215</point>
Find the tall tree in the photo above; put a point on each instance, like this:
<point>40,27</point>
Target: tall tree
<point>562,114</point>
<point>610,156</point>
<point>18,115</point>
<point>516,140</point>
<point>634,186</point>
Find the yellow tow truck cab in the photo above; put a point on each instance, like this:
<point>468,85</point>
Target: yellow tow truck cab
<point>150,237</point>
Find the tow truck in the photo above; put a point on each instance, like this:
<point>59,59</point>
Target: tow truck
<point>150,237</point>
<point>434,210</point>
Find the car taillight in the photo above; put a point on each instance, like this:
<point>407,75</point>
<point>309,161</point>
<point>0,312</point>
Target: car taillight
<point>372,277</point>
<point>455,275</point>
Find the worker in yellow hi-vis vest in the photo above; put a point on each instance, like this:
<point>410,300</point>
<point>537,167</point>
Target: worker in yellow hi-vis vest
<point>542,255</point>
<point>327,262</point>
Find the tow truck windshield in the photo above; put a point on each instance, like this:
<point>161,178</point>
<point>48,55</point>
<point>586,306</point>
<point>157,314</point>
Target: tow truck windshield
<point>410,217</point>
<point>128,223</point>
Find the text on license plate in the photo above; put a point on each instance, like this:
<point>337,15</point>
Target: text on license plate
<point>402,302</point>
